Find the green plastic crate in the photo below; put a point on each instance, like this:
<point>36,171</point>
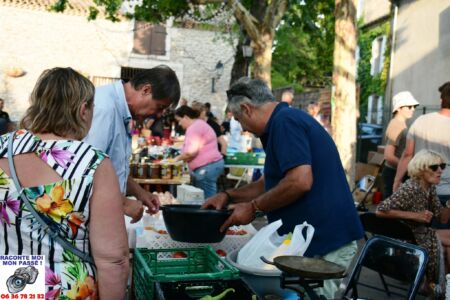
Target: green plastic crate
<point>242,158</point>
<point>158,265</point>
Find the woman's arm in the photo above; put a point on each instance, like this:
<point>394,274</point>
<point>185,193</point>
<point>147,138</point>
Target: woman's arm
<point>185,156</point>
<point>223,144</point>
<point>421,217</point>
<point>108,237</point>
<point>389,155</point>
<point>445,215</point>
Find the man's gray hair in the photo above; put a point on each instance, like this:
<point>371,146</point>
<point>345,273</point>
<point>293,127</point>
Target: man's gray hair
<point>246,90</point>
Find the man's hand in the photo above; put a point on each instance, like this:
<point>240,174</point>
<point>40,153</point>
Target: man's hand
<point>151,201</point>
<point>218,201</point>
<point>133,209</point>
<point>243,213</point>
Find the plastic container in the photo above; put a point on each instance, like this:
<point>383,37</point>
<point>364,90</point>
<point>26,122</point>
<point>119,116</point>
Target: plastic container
<point>241,158</point>
<point>263,282</point>
<point>158,265</point>
<point>194,289</point>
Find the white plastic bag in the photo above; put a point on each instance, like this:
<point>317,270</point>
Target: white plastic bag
<point>269,244</point>
<point>298,246</point>
<point>262,244</point>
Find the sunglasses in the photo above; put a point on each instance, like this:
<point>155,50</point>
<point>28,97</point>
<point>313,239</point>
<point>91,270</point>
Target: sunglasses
<point>231,94</point>
<point>434,168</point>
<point>410,106</point>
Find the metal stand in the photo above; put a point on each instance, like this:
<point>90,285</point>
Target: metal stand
<point>302,286</point>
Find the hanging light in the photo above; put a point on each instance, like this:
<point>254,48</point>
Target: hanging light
<point>219,69</point>
<point>247,51</point>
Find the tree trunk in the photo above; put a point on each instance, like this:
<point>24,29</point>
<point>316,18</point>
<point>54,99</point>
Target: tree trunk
<point>344,69</point>
<point>240,65</point>
<point>263,58</point>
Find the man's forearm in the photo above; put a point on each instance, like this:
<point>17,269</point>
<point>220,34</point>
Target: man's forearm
<point>133,188</point>
<point>248,192</point>
<point>285,193</point>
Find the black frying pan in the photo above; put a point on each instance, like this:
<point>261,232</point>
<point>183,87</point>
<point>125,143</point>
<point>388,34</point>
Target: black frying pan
<point>306,267</point>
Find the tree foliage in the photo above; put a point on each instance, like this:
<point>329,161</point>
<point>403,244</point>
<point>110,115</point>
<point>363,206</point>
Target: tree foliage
<point>305,39</point>
<point>369,84</point>
<point>303,34</point>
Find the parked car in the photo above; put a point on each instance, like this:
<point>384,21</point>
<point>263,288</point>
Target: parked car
<point>369,137</point>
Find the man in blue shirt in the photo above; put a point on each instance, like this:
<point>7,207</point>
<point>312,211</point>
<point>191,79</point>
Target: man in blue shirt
<point>303,177</point>
<point>147,93</point>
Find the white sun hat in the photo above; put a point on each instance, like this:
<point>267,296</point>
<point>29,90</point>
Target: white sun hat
<point>401,99</point>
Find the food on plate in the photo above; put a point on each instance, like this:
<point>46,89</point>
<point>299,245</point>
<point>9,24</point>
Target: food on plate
<point>221,252</point>
<point>160,231</point>
<point>166,198</point>
<point>236,232</point>
<point>179,254</point>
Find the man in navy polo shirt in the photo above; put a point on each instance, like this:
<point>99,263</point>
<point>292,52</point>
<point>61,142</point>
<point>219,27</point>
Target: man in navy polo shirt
<point>303,177</point>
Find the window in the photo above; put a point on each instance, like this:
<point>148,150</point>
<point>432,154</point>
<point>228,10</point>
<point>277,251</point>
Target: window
<point>126,72</point>
<point>100,80</point>
<point>359,9</point>
<point>377,59</point>
<point>149,39</point>
<point>375,109</point>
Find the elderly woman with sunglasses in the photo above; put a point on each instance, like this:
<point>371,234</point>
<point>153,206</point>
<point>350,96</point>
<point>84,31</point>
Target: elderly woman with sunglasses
<point>417,203</point>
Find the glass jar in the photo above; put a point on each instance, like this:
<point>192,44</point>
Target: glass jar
<point>154,171</point>
<point>134,170</point>
<point>142,171</point>
<point>177,170</point>
<point>166,171</point>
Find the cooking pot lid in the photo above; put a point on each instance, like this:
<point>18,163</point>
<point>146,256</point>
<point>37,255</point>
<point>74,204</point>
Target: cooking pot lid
<point>314,268</point>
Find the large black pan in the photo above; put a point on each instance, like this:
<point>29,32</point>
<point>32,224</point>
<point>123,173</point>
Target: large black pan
<point>306,267</point>
<point>190,223</point>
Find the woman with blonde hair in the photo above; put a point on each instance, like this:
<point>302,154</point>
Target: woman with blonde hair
<point>61,196</point>
<point>417,203</point>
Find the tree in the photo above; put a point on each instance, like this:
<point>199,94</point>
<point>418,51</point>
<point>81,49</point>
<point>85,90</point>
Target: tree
<point>305,39</point>
<point>259,24</point>
<point>344,70</point>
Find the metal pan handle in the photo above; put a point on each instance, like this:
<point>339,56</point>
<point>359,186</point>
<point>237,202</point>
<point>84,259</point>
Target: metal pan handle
<point>267,261</point>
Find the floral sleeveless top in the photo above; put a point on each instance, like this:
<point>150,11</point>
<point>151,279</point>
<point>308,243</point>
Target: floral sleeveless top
<point>65,202</point>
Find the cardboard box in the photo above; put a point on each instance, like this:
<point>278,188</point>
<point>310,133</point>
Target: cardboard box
<point>375,158</point>
<point>362,169</point>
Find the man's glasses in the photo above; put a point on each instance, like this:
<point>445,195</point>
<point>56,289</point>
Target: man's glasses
<point>231,94</point>
<point>434,168</point>
<point>410,106</point>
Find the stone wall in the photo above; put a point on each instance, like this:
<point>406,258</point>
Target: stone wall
<point>38,40</point>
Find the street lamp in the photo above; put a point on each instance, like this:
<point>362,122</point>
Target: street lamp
<point>218,72</point>
<point>247,52</point>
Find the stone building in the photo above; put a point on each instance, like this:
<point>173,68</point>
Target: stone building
<point>34,39</point>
